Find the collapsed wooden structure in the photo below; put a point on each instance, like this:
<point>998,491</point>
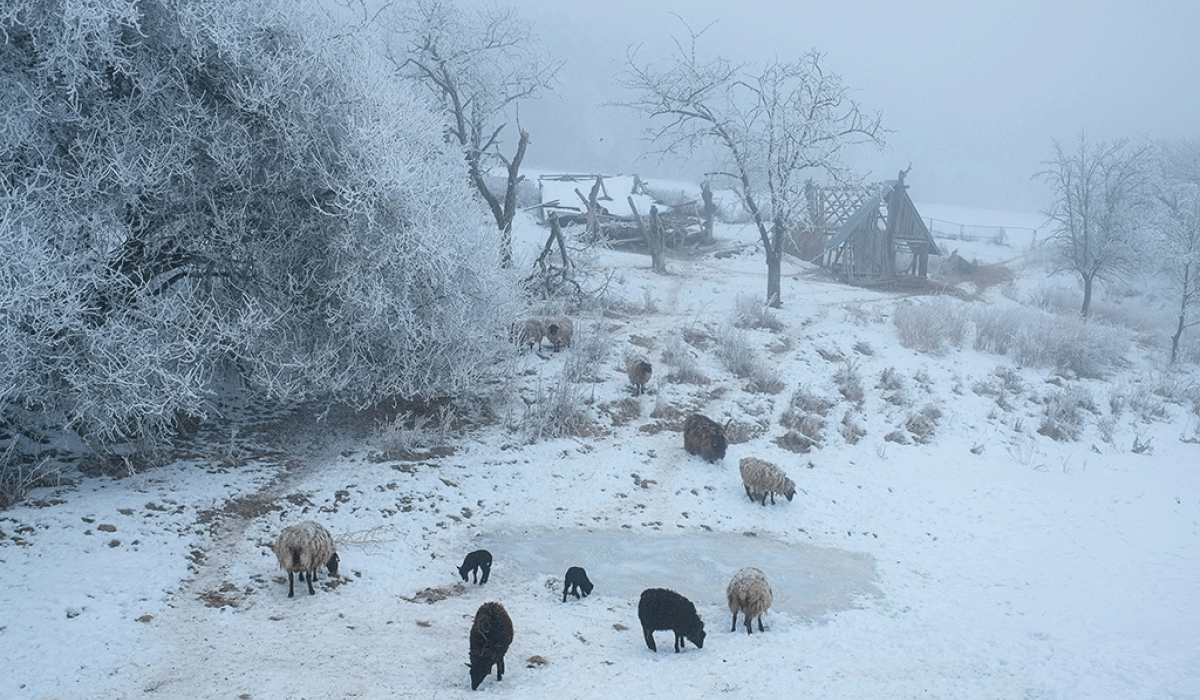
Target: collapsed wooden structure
<point>866,234</point>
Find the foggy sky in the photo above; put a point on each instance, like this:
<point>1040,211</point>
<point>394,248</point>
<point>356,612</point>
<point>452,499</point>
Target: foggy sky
<point>974,92</point>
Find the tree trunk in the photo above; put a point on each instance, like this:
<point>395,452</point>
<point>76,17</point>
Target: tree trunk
<point>774,279</point>
<point>710,210</point>
<point>1087,294</point>
<point>1184,301</point>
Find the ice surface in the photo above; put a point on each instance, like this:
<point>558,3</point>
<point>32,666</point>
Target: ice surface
<point>807,581</point>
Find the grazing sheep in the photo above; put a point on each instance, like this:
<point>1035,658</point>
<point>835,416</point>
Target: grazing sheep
<point>664,609</point>
<point>705,437</point>
<point>559,332</point>
<point>575,581</point>
<point>529,333</point>
<point>475,561</point>
<point>303,549</point>
<point>761,477</point>
<point>749,593</point>
<point>638,368</point>
<point>490,636</point>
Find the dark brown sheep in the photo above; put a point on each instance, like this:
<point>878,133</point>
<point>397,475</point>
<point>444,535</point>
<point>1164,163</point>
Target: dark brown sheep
<point>705,437</point>
<point>490,636</point>
<point>664,609</point>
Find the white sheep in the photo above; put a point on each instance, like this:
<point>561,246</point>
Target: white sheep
<point>639,369</point>
<point>304,548</point>
<point>749,593</point>
<point>761,477</point>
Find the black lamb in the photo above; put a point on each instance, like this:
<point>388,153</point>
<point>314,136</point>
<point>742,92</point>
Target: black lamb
<point>490,636</point>
<point>664,609</point>
<point>575,581</point>
<point>475,561</point>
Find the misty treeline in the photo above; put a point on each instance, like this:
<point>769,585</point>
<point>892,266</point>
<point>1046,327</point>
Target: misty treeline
<point>1129,212</point>
<point>194,192</point>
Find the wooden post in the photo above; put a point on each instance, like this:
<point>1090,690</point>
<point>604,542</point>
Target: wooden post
<point>653,241</point>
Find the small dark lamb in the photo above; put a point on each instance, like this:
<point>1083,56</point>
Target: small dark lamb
<point>490,636</point>
<point>473,562</point>
<point>664,609</point>
<point>575,581</point>
<point>303,549</point>
<point>705,437</point>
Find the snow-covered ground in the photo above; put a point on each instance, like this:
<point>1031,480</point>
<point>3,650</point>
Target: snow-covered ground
<point>989,562</point>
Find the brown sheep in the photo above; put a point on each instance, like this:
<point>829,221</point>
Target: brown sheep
<point>529,333</point>
<point>491,634</point>
<point>559,332</point>
<point>639,369</point>
<point>705,437</point>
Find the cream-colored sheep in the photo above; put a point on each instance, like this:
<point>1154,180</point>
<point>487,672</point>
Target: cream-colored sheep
<point>749,593</point>
<point>639,369</point>
<point>303,549</point>
<point>761,477</point>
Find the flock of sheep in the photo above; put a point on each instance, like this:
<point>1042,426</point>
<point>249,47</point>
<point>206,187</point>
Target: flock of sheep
<point>306,547</point>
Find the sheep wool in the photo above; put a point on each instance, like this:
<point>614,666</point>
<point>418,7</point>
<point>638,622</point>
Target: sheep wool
<point>530,333</point>
<point>491,634</point>
<point>705,437</point>
<point>559,332</point>
<point>303,549</point>
<point>639,369</point>
<point>761,478</point>
<point>749,593</point>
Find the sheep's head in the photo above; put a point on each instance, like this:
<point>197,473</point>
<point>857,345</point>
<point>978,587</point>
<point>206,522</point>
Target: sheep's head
<point>695,633</point>
<point>479,670</point>
<point>332,564</point>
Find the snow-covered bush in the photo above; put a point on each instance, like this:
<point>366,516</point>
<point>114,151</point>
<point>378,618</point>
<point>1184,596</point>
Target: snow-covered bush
<point>190,187</point>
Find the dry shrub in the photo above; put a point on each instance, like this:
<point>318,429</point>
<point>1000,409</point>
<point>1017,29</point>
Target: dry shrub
<point>852,429</point>
<point>849,382</point>
<point>1065,414</point>
<point>682,365</point>
<point>934,325</point>
<point>751,313</point>
<point>922,425</point>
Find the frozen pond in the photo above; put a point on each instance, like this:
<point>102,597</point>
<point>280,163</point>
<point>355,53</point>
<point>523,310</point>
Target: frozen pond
<point>808,581</point>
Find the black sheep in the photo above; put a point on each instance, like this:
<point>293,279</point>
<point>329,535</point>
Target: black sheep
<point>705,437</point>
<point>664,609</point>
<point>575,581</point>
<point>490,636</point>
<point>479,559</point>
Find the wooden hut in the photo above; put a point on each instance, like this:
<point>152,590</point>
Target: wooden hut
<point>884,237</point>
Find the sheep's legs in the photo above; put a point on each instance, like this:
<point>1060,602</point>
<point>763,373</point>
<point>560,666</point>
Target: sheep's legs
<point>291,585</point>
<point>500,668</point>
<point>734,628</point>
<point>649,635</point>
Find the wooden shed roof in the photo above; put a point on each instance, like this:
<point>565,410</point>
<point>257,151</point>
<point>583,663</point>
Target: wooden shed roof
<point>909,226</point>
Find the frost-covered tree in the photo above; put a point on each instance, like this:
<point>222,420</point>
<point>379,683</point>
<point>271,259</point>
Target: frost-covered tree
<point>479,63</point>
<point>775,128</point>
<point>1100,209</point>
<point>1178,221</point>
<point>190,186</point>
